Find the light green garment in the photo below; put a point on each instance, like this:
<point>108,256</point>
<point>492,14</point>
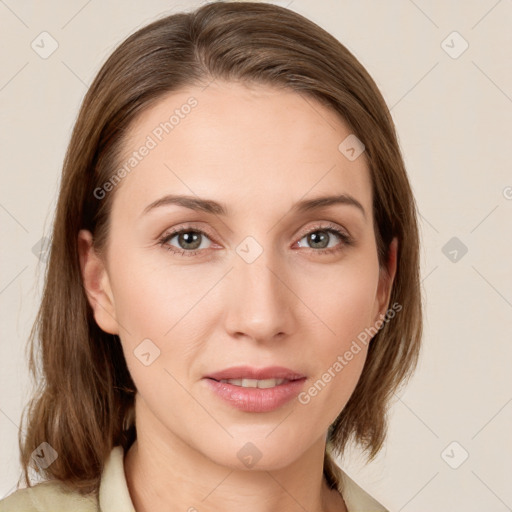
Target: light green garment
<point>114,496</point>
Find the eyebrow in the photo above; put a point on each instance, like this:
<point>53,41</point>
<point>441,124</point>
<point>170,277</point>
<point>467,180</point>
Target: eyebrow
<point>216,208</point>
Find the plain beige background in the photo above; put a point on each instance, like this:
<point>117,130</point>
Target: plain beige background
<point>449,446</point>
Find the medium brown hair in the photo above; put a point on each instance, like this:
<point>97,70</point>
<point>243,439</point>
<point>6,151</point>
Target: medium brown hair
<point>84,402</point>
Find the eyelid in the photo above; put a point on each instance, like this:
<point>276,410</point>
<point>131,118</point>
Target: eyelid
<point>184,228</point>
<point>304,232</point>
<point>320,225</point>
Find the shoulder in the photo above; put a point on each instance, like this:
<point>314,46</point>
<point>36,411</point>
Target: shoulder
<point>50,496</point>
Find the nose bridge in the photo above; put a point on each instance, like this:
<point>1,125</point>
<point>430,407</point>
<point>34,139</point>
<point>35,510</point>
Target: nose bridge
<point>262,305</point>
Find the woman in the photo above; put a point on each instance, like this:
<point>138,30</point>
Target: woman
<point>232,293</point>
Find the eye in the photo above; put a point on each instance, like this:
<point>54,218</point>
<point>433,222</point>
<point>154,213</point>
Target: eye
<point>190,241</point>
<point>320,238</point>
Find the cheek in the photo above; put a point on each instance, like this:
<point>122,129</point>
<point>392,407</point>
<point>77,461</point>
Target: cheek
<point>345,310</point>
<point>150,300</point>
<point>347,302</point>
<point>165,304</point>
<point>157,333</point>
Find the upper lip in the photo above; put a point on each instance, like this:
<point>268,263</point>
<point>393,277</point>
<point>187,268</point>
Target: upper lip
<point>248,372</point>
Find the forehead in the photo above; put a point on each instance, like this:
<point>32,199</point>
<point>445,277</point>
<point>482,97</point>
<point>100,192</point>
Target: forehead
<point>238,143</point>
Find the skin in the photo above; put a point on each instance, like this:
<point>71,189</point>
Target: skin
<point>258,150</point>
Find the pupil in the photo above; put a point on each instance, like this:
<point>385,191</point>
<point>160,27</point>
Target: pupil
<point>315,239</point>
<point>189,238</point>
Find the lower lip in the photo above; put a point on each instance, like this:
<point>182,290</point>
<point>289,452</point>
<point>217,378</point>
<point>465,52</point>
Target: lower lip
<point>256,399</point>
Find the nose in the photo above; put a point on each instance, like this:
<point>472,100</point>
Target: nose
<point>262,305</point>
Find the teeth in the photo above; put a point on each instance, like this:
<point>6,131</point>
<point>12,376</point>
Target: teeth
<point>254,383</point>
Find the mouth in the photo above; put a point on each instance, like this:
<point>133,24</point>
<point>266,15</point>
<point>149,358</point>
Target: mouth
<point>256,390</point>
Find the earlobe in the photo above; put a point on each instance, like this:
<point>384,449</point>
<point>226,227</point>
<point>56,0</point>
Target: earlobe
<point>386,279</point>
<point>97,284</point>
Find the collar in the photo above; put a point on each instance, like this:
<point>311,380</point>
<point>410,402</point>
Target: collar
<point>113,493</point>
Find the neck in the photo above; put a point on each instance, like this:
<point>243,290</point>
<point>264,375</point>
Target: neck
<point>165,473</point>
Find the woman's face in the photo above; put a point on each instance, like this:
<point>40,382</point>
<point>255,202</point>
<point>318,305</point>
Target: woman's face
<point>255,280</point>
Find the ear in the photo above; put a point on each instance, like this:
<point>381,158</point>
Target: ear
<point>386,278</point>
<point>97,284</point>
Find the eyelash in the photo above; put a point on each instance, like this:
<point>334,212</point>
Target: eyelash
<point>329,228</point>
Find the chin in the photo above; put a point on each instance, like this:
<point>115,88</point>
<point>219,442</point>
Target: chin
<point>256,454</point>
